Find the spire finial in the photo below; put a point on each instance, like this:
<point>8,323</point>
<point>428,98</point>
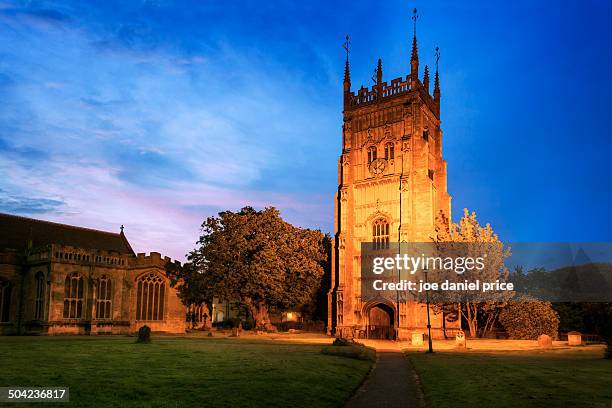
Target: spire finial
<point>121,228</point>
<point>346,45</point>
<point>414,57</point>
<point>436,92</point>
<point>347,74</point>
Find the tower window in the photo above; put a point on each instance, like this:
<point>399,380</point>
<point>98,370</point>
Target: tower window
<point>73,296</point>
<point>380,234</point>
<point>430,173</point>
<point>371,154</point>
<point>426,135</point>
<point>389,151</point>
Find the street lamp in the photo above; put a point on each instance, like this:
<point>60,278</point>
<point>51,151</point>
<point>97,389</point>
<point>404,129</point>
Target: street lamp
<point>430,350</point>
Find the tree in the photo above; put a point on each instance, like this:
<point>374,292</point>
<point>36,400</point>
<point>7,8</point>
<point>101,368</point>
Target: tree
<point>469,239</point>
<point>255,257</point>
<point>526,319</point>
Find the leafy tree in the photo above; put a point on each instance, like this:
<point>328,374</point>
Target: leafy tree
<point>255,257</point>
<point>526,319</point>
<point>469,238</point>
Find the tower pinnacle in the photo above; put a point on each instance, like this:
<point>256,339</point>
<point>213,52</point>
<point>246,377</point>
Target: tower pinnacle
<point>347,73</point>
<point>426,79</point>
<point>414,57</point>
<point>436,92</point>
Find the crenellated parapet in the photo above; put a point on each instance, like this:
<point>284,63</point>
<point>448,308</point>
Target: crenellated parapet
<point>386,91</point>
<point>154,259</point>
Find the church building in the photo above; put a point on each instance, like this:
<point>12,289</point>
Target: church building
<point>391,188</point>
<point>62,279</point>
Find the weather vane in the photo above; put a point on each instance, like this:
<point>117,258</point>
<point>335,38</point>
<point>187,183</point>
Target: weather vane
<point>415,16</point>
<point>346,46</point>
<point>437,57</point>
<point>375,76</point>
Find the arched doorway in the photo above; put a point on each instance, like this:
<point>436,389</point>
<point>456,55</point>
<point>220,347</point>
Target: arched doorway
<point>381,322</point>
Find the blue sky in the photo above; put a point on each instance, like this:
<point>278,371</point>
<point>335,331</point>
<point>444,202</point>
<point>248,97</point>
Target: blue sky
<point>156,114</point>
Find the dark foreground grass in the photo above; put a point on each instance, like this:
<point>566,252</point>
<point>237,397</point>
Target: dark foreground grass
<point>177,372</point>
<point>515,379</point>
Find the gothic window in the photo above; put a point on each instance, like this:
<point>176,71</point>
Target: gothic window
<point>380,234</point>
<point>389,151</point>
<point>426,135</point>
<point>430,174</point>
<point>39,302</point>
<point>5,300</point>
<point>73,296</point>
<point>104,300</point>
<point>371,154</point>
<point>150,297</point>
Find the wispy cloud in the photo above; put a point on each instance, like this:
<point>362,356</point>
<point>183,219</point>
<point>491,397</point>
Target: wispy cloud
<point>107,124</point>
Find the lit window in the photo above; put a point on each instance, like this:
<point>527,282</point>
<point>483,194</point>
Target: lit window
<point>150,297</point>
<point>371,154</point>
<point>389,151</point>
<point>73,296</point>
<point>380,234</point>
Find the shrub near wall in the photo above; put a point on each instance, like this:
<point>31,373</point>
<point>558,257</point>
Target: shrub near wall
<point>528,320</point>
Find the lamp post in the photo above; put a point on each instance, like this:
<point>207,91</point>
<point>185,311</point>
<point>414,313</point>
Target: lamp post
<point>430,350</point>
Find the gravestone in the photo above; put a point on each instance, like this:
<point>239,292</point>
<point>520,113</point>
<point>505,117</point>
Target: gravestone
<point>144,334</point>
<point>545,341</point>
<point>417,339</point>
<point>460,339</point>
<point>574,338</point>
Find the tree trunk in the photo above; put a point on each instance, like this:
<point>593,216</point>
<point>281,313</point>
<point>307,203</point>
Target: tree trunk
<point>471,318</point>
<point>259,311</point>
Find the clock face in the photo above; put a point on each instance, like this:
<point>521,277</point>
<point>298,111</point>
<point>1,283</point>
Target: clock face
<point>377,167</point>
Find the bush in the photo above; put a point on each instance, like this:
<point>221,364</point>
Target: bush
<point>353,350</point>
<point>529,319</point>
<point>144,334</point>
<point>341,341</point>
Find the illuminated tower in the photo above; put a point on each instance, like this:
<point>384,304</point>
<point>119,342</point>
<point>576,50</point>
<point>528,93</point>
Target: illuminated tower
<point>391,187</point>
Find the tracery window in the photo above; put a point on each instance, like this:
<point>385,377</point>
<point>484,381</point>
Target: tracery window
<point>73,296</point>
<point>5,300</point>
<point>371,154</point>
<point>150,297</point>
<point>39,300</point>
<point>104,300</point>
<point>380,234</point>
<point>389,151</point>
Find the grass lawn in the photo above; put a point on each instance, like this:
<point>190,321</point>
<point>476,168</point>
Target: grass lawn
<point>560,378</point>
<point>181,371</point>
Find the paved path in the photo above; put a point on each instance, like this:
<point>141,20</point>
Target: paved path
<point>392,382</point>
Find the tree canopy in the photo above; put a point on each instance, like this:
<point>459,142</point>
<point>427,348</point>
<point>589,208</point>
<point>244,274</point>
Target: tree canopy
<point>254,257</point>
<point>469,238</point>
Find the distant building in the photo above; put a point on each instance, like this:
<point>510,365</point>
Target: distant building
<point>62,279</point>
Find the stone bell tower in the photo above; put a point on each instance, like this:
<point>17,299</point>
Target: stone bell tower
<point>391,187</point>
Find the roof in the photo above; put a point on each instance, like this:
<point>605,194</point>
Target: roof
<point>16,232</point>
